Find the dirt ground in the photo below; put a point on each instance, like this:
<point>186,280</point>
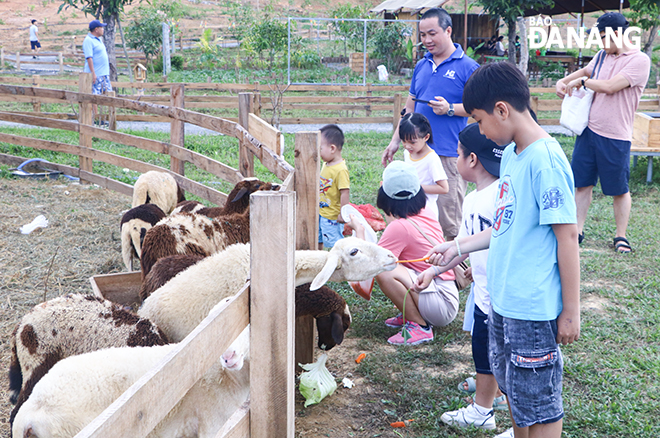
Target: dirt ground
<point>82,240</point>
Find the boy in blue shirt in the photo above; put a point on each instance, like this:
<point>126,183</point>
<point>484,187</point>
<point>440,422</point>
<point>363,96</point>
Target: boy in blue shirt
<point>533,266</point>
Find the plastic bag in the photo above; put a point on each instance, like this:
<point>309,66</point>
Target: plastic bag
<point>38,222</point>
<point>383,75</point>
<point>575,110</point>
<point>316,383</point>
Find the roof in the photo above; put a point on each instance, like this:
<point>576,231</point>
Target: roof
<point>412,5</point>
<point>575,6</point>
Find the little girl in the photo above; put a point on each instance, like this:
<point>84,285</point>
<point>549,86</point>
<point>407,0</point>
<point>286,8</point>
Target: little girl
<point>415,133</point>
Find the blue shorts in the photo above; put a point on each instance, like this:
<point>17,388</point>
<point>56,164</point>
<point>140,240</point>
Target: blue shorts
<point>480,342</point>
<point>595,156</point>
<point>329,232</point>
<point>35,44</point>
<point>101,84</point>
<point>527,364</point>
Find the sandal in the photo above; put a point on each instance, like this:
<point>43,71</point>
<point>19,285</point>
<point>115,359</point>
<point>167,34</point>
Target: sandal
<point>500,403</point>
<point>580,237</point>
<point>471,385</point>
<point>622,246</point>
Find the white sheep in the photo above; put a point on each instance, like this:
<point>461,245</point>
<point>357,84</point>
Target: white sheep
<point>183,302</point>
<point>66,326</point>
<point>158,188</point>
<point>79,388</point>
<point>134,226</point>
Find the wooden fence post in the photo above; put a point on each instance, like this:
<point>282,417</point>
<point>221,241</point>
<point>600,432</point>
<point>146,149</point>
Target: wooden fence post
<point>534,104</point>
<point>85,118</point>
<point>60,60</point>
<point>369,94</point>
<point>245,157</point>
<point>272,310</point>
<point>18,61</point>
<point>36,105</point>
<point>2,58</point>
<point>396,110</point>
<point>177,127</point>
<point>112,114</point>
<point>306,184</point>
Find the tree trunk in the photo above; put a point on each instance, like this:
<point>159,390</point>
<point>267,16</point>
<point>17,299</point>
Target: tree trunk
<point>648,46</point>
<point>109,41</point>
<point>123,43</point>
<point>523,62</point>
<point>511,25</point>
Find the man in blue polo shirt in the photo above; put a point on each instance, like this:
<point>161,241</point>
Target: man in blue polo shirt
<point>439,78</point>
<point>96,60</point>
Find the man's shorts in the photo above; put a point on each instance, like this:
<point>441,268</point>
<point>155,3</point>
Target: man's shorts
<point>35,44</point>
<point>101,84</point>
<point>527,364</point>
<point>329,232</point>
<point>438,303</point>
<point>595,156</point>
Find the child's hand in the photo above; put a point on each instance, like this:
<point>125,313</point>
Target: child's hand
<point>423,280</point>
<point>468,274</point>
<point>357,226</point>
<point>442,254</point>
<point>568,326</point>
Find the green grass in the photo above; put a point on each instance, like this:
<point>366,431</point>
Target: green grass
<point>611,375</point>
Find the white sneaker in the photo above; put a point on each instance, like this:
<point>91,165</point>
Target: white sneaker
<point>469,416</point>
<point>506,434</point>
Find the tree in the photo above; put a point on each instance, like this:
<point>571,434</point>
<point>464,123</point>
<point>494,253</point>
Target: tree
<point>268,35</point>
<point>109,11</point>
<point>509,11</point>
<point>388,41</point>
<point>145,32</point>
<point>351,31</point>
<point>645,14</point>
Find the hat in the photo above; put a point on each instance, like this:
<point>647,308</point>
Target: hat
<point>488,152</point>
<point>400,177</point>
<point>96,23</point>
<point>613,20</point>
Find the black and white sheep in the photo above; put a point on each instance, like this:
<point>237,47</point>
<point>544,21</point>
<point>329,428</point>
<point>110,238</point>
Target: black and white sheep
<point>183,302</point>
<point>79,388</point>
<point>134,226</point>
<point>333,317</point>
<point>158,188</point>
<point>188,207</point>
<point>67,326</point>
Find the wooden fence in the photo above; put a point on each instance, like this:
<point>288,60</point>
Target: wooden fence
<point>270,411</point>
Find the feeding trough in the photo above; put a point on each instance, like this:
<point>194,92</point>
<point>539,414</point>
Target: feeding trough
<point>35,168</point>
<point>646,139</point>
<point>122,288</point>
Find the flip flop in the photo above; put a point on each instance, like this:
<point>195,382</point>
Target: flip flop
<point>500,404</point>
<point>471,383</point>
<point>622,246</point>
<point>580,237</point>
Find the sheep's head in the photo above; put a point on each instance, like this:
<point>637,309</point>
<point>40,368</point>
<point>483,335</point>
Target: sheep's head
<point>249,186</point>
<point>331,328</point>
<point>353,259</point>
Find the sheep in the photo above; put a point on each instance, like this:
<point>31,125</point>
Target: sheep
<point>188,207</point>
<point>224,273</point>
<point>66,326</point>
<point>158,188</point>
<point>79,388</point>
<point>134,225</point>
<point>333,317</point>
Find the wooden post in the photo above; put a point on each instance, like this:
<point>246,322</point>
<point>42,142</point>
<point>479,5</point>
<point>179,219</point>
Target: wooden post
<point>18,61</point>
<point>256,104</point>
<point>85,118</point>
<point>36,105</point>
<point>2,58</point>
<point>534,104</point>
<point>272,310</point>
<point>396,110</point>
<point>112,114</point>
<point>369,94</point>
<point>245,157</point>
<point>60,59</point>
<point>306,184</point>
<point>177,127</point>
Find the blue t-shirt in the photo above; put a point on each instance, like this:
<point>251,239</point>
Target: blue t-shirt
<point>446,80</point>
<point>94,48</point>
<point>536,190</point>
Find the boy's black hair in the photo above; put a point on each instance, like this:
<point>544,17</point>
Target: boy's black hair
<point>401,208</point>
<point>33,21</point>
<point>334,135</point>
<point>444,19</point>
<point>494,82</point>
<point>413,126</point>
<point>464,149</point>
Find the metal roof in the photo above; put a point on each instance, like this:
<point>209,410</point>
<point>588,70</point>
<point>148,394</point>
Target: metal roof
<point>412,5</point>
<point>575,6</point>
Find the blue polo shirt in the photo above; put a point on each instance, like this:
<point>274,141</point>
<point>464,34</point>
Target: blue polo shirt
<point>94,48</point>
<point>446,80</point>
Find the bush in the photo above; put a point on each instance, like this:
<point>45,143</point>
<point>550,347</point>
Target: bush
<point>305,59</point>
<point>176,61</point>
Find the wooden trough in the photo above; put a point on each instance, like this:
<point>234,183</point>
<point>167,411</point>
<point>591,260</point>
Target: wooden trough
<point>646,139</point>
<point>122,288</point>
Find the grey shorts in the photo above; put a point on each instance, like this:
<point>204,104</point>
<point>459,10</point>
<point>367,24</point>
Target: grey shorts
<point>527,364</point>
<point>438,303</point>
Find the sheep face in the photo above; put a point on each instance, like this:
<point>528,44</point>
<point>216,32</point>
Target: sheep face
<point>331,328</point>
<point>353,259</point>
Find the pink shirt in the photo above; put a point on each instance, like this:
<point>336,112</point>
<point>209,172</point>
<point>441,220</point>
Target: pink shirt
<point>612,115</point>
<point>407,243</point>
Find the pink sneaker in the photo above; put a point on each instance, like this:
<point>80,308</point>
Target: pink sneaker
<point>395,322</point>
<point>417,335</point>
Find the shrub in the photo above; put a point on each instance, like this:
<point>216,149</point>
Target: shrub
<point>305,59</point>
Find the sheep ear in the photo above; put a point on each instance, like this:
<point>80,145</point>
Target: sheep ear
<point>331,265</point>
<point>337,328</point>
<point>240,194</point>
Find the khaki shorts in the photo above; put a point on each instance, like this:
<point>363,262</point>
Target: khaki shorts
<point>438,303</point>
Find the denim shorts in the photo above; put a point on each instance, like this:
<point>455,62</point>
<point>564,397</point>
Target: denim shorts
<point>101,84</point>
<point>527,364</point>
<point>595,156</point>
<point>480,342</point>
<point>329,232</point>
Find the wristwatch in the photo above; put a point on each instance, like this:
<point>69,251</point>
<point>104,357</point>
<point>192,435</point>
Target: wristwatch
<point>450,111</point>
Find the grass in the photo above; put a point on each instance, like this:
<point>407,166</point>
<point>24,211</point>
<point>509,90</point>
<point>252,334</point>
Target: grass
<point>611,375</point>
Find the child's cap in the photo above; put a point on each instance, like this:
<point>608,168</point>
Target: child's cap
<point>399,177</point>
<point>488,152</point>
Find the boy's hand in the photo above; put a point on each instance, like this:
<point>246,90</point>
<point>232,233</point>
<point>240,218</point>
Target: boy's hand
<point>423,280</point>
<point>560,89</point>
<point>442,254</point>
<point>568,327</point>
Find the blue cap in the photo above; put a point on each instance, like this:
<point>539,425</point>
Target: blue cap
<point>400,180</point>
<point>96,23</point>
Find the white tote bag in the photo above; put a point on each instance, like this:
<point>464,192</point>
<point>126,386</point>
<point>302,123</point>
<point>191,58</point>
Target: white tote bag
<point>575,108</point>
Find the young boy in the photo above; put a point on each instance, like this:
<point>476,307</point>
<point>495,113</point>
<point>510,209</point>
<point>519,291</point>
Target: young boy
<point>533,266</point>
<point>334,186</point>
<point>34,38</point>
